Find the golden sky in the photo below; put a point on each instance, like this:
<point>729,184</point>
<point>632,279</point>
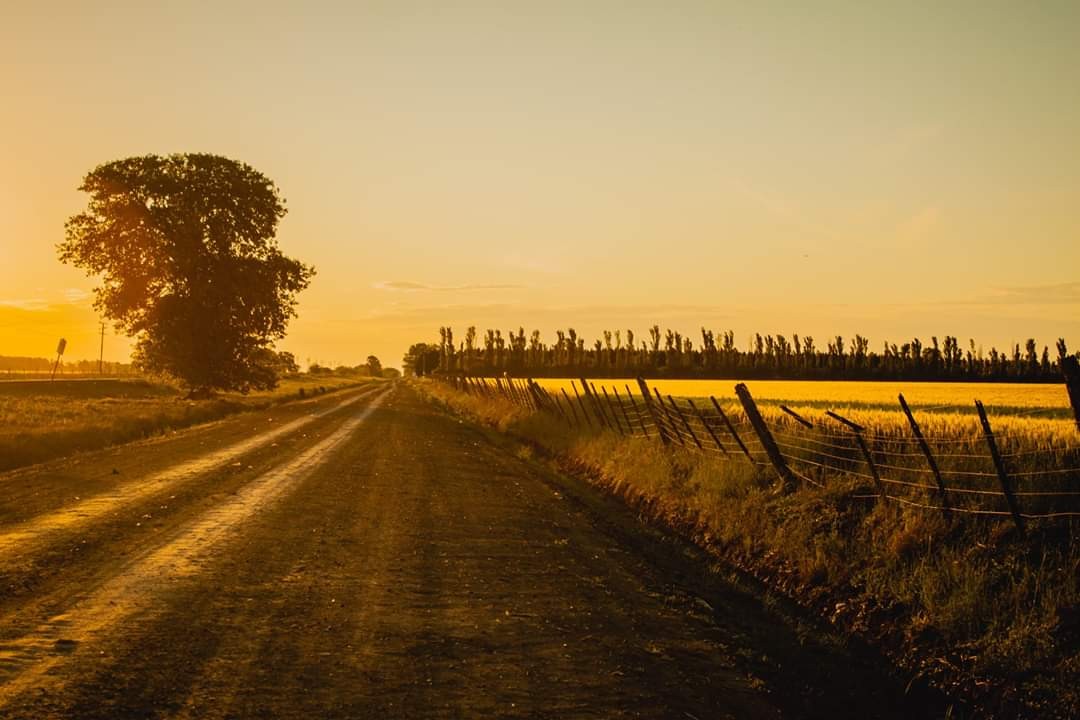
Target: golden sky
<point>893,169</point>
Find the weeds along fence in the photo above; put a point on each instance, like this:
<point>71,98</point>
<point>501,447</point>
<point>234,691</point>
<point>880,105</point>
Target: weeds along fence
<point>982,473</point>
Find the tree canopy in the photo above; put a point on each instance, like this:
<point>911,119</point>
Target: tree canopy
<point>186,250</point>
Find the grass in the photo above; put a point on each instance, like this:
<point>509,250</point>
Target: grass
<point>43,421</point>
<point>967,605</point>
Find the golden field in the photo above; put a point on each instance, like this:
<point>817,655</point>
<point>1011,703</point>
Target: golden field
<point>40,420</point>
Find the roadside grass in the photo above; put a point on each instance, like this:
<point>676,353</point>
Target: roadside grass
<point>966,605</point>
<point>42,424</point>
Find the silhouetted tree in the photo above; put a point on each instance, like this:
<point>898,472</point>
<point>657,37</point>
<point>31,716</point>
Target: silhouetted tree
<point>374,366</point>
<point>185,247</point>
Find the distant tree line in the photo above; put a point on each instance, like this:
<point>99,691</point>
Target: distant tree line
<point>14,364</point>
<point>668,353</point>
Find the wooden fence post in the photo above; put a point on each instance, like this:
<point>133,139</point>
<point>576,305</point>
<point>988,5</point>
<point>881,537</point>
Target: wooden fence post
<point>731,429</point>
<point>787,478</point>
<point>685,423</point>
<point>660,429</point>
<point>626,416</point>
<point>572,409</point>
<point>599,406</point>
<point>669,420</point>
<point>1070,368</point>
<point>705,425</point>
<point>613,414</point>
<point>584,409</point>
<point>538,401</point>
<point>527,391</point>
<point>633,404</point>
<point>857,430</point>
<point>999,465</point>
<point>797,417</point>
<point>929,456</point>
<point>601,421</point>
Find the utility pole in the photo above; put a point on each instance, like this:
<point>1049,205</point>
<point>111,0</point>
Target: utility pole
<point>101,354</point>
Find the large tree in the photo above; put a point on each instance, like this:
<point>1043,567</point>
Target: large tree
<point>185,247</point>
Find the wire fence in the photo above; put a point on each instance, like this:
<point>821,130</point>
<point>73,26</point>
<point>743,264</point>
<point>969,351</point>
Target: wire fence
<point>983,473</point>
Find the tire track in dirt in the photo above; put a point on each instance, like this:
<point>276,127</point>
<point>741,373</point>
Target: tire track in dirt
<point>31,660</point>
<point>22,538</point>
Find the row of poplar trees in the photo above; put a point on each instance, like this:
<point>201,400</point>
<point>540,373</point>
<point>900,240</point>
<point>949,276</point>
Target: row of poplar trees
<point>668,353</point>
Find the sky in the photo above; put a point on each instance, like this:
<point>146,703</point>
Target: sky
<point>889,169</point>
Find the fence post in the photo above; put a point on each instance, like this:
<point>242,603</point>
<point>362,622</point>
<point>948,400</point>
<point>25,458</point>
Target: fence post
<point>685,423</point>
<point>637,413</point>
<point>613,414</point>
<point>599,405</point>
<point>731,429</point>
<point>1070,367</point>
<point>705,425</point>
<point>625,415</point>
<point>601,421</point>
<point>660,429</point>
<point>999,465</point>
<point>797,417</point>
<point>857,430</point>
<point>669,421</point>
<point>530,397</point>
<point>551,402</point>
<point>584,409</point>
<point>929,456</point>
<point>554,399</point>
<point>572,408</point>
<point>766,438</point>
<point>537,400</point>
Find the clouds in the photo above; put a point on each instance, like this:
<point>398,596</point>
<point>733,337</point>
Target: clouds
<point>411,286</point>
<point>27,304</point>
<point>1056,294</point>
<point>68,296</point>
<point>75,295</point>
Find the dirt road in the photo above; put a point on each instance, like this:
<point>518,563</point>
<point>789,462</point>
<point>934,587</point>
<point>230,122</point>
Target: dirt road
<point>368,555</point>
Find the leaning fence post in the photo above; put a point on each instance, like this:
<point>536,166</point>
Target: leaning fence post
<point>584,409</point>
<point>766,438</point>
<point>857,430</point>
<point>613,415</point>
<point>797,417</point>
<point>572,408</point>
<point>929,456</point>
<point>705,425</point>
<point>527,391</point>
<point>601,419</point>
<point>999,465</point>
<point>637,413</point>
<point>731,429</point>
<point>626,416</point>
<point>600,407</point>
<point>669,419</point>
<point>1070,368</point>
<point>660,429</point>
<point>538,401</point>
<point>685,423</point>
